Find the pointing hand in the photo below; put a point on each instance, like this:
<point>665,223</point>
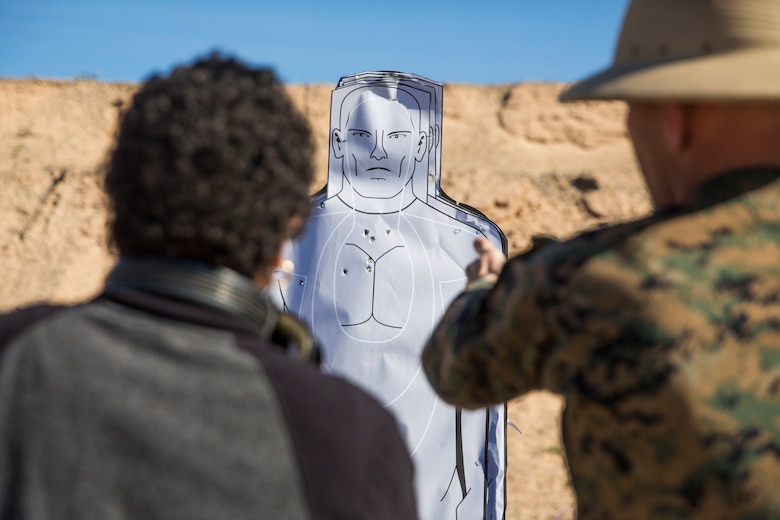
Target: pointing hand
<point>488,265</point>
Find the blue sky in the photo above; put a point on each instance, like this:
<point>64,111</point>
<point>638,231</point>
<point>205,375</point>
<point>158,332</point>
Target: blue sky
<point>312,41</point>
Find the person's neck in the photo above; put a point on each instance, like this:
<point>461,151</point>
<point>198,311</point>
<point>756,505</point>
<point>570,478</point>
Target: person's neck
<point>685,184</point>
<point>362,204</point>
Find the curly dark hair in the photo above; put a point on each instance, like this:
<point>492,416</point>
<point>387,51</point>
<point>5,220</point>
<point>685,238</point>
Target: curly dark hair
<point>210,164</point>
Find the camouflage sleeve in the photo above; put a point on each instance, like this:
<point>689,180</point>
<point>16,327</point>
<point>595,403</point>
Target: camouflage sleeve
<point>491,342</point>
<point>546,317</point>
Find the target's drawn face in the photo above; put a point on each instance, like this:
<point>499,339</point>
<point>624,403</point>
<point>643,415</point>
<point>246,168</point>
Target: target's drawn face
<point>380,145</point>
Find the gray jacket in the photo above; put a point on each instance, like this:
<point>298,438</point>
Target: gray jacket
<point>138,406</point>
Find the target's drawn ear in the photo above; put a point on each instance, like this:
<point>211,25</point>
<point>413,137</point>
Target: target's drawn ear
<point>419,153</point>
<point>337,143</point>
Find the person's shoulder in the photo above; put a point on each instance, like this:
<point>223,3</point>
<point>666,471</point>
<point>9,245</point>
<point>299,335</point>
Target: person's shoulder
<point>342,435</point>
<point>304,385</point>
<point>334,392</point>
<point>444,212</point>
<point>323,206</point>
<point>324,214</point>
<point>453,224</point>
<point>16,322</point>
<point>579,249</point>
<point>327,409</point>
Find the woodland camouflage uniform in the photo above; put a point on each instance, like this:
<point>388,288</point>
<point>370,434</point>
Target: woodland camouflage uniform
<point>663,335</point>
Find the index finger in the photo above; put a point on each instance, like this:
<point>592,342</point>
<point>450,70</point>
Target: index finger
<point>483,245</point>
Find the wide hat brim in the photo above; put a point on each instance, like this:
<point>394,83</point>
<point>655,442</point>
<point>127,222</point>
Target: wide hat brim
<point>745,74</point>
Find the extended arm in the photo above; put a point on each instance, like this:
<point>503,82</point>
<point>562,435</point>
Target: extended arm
<point>492,341</point>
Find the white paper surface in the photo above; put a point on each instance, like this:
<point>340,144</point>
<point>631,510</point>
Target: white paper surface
<point>380,258</point>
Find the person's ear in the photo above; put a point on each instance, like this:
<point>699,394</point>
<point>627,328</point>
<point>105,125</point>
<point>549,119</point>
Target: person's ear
<point>676,126</point>
<point>337,143</point>
<point>422,147</point>
<point>263,275</point>
<point>294,226</point>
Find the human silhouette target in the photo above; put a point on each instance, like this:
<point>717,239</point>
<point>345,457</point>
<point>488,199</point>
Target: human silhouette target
<point>380,257</point>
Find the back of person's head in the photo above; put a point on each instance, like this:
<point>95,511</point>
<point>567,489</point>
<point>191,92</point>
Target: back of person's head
<point>692,50</point>
<point>211,163</point>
